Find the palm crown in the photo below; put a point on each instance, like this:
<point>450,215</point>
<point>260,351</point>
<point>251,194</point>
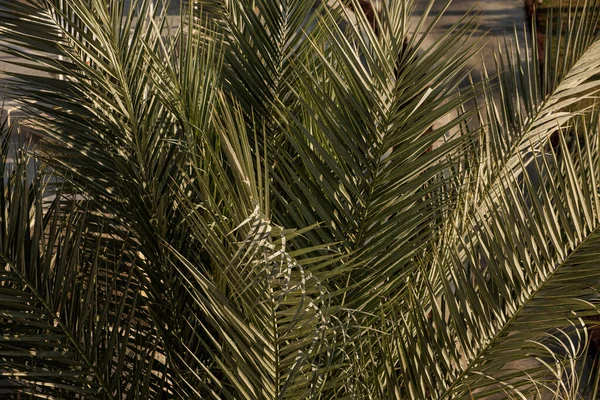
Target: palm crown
<point>272,199</point>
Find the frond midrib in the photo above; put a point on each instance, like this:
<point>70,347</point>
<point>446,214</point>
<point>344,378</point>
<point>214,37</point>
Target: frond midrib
<point>505,327</point>
<point>541,113</point>
<point>68,333</point>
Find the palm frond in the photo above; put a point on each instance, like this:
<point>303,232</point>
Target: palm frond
<point>73,323</point>
<point>288,199</point>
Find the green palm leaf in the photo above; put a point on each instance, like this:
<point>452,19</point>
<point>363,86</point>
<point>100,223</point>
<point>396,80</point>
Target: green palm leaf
<point>273,199</point>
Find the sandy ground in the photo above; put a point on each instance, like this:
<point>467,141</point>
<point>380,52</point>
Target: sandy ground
<point>496,20</point>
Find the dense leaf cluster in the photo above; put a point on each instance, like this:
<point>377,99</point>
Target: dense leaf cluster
<point>288,199</point>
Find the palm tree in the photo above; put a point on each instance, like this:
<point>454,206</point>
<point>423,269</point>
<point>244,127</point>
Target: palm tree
<point>258,200</point>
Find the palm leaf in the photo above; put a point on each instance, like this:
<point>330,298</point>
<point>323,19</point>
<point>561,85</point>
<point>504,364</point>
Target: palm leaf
<point>286,212</point>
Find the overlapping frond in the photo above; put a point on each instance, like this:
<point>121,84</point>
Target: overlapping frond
<point>73,322</point>
<point>531,269</point>
<point>294,199</point>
